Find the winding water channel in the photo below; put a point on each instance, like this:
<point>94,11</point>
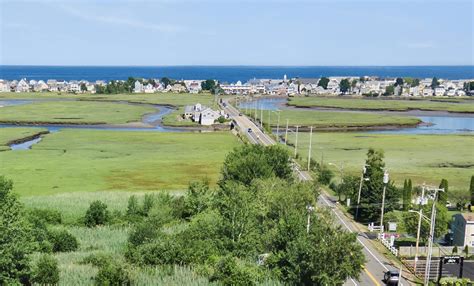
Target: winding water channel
<point>434,122</point>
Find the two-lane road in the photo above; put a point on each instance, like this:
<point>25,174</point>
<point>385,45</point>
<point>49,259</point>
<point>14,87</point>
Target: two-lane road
<point>376,263</point>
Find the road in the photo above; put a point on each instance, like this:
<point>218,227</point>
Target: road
<point>376,263</point>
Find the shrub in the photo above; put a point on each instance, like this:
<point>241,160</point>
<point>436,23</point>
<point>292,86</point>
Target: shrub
<point>455,249</point>
<point>46,270</point>
<point>113,273</point>
<point>229,271</point>
<point>48,216</point>
<point>99,259</point>
<point>221,119</point>
<point>97,214</point>
<point>325,175</point>
<point>63,241</point>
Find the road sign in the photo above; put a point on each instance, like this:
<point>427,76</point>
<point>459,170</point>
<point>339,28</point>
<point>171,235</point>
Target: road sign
<point>455,259</point>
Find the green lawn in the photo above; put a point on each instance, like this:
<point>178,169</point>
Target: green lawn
<point>9,134</point>
<point>92,160</point>
<point>423,158</point>
<point>74,112</point>
<point>324,119</point>
<point>175,119</point>
<point>176,99</point>
<point>382,104</point>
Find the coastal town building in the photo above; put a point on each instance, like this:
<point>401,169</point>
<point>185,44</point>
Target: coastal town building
<point>462,228</point>
<point>202,114</point>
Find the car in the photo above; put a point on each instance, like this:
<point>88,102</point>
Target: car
<point>391,277</point>
<point>240,114</point>
<point>249,130</point>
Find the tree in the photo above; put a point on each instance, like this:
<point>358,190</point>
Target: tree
<point>324,174</point>
<point>166,81</point>
<point>471,190</point>
<point>344,85</point>
<point>389,90</point>
<point>209,85</point>
<point>469,86</point>
<point>133,209</point>
<point>97,214</point>
<point>407,194</point>
<point>441,226</point>
<point>249,162</point>
<point>353,83</point>
<point>15,238</point>
<point>113,273</point>
<point>371,193</point>
<point>434,83</point>
<point>198,198</point>
<point>83,87</point>
<point>443,196</point>
<point>399,81</point>
<point>323,82</point>
<point>460,198</point>
<point>46,271</point>
<point>62,241</point>
<point>231,271</point>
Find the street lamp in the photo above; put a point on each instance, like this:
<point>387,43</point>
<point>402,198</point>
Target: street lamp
<point>385,182</point>
<point>431,237</point>
<point>420,212</point>
<point>362,179</point>
<point>310,209</point>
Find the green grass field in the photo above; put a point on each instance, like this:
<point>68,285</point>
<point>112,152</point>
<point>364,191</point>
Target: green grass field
<point>92,160</point>
<point>324,119</point>
<point>176,99</point>
<point>9,134</point>
<point>423,158</point>
<point>175,119</point>
<point>74,112</point>
<point>382,104</point>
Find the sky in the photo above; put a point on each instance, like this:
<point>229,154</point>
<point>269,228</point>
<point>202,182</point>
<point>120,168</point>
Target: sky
<point>245,32</point>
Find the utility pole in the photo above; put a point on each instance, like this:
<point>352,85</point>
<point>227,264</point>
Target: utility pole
<point>364,169</point>
<point>261,116</point>
<point>309,149</point>
<point>385,182</point>
<point>420,213</point>
<point>269,121</point>
<point>296,141</point>
<point>255,107</point>
<point>286,133</point>
<point>278,127</point>
<point>431,237</point>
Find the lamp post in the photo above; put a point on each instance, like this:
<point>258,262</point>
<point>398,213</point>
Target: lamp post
<point>286,132</point>
<point>296,141</point>
<point>385,182</point>
<point>431,237</point>
<point>420,212</point>
<point>309,148</point>
<point>310,209</point>
<point>362,179</point>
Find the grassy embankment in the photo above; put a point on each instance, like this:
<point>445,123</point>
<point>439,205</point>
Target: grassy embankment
<point>383,104</point>
<point>178,100</point>
<point>335,120</point>
<point>174,99</point>
<point>9,135</point>
<point>72,112</point>
<point>423,158</point>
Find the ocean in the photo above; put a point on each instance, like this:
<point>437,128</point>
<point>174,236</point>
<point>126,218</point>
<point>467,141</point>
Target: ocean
<point>228,73</point>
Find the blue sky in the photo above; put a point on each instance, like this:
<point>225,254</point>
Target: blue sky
<point>167,32</point>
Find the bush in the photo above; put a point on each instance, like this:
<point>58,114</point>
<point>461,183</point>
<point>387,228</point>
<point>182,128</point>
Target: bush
<point>48,216</point>
<point>99,259</point>
<point>63,241</point>
<point>221,119</point>
<point>97,214</point>
<point>453,281</point>
<point>325,175</point>
<point>455,249</point>
<point>230,271</point>
<point>113,273</point>
<point>46,270</point>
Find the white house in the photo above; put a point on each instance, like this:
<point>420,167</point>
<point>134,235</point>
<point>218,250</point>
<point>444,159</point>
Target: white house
<point>4,86</point>
<point>137,87</point>
<point>463,229</point>
<point>22,86</point>
<point>149,88</point>
<point>428,92</point>
<point>208,116</point>
<point>439,91</point>
<point>41,86</point>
